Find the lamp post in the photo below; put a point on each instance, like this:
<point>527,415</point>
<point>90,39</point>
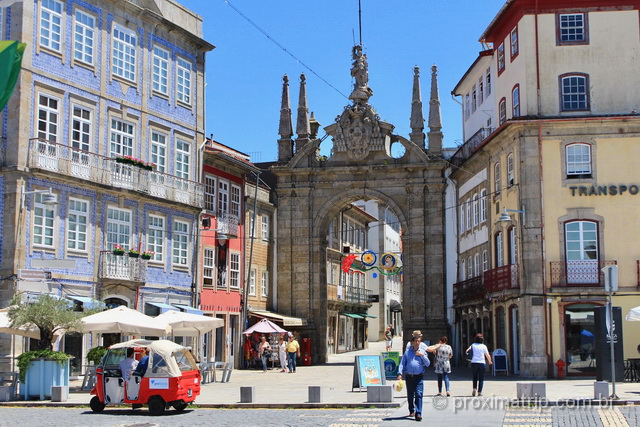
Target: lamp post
<point>505,217</point>
<point>611,285</point>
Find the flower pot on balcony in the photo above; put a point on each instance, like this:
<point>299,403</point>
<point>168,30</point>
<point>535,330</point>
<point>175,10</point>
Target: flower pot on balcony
<point>134,255</point>
<point>145,256</point>
<point>118,252</point>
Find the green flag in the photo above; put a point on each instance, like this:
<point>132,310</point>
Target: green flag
<point>10,60</point>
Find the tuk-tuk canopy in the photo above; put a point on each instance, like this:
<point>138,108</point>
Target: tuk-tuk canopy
<point>161,353</point>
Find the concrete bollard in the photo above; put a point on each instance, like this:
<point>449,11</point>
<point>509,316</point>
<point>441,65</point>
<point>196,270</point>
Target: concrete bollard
<point>59,393</point>
<point>379,393</point>
<point>531,390</point>
<point>315,394</point>
<point>247,394</point>
<point>601,390</point>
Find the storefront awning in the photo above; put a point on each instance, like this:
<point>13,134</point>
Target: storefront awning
<point>162,306</point>
<point>189,309</point>
<point>368,315</point>
<point>286,320</point>
<point>395,306</point>
<point>87,303</point>
<point>352,315</point>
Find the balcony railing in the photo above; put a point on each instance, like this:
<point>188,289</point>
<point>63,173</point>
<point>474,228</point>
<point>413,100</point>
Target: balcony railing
<point>93,167</point>
<point>470,146</point>
<point>578,273</point>
<point>468,290</point>
<point>350,294</point>
<point>122,267</point>
<point>501,278</point>
<point>227,225</point>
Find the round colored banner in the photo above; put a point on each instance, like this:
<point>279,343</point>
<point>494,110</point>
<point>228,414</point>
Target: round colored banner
<point>368,258</point>
<point>388,261</point>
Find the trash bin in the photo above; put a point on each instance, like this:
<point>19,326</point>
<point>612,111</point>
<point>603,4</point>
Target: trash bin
<point>306,351</point>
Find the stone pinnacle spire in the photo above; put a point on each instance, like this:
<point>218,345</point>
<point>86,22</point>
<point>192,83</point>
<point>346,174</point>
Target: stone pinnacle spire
<point>303,128</point>
<point>417,118</point>
<point>435,122</point>
<point>285,130</point>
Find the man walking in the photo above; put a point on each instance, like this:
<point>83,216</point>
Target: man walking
<point>412,366</point>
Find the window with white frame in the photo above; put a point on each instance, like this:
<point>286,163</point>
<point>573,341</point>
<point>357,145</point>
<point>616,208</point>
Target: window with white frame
<point>155,237</point>
<point>51,25</point>
<point>265,227</point>
<point>514,43</point>
<point>578,159</point>
<point>462,219</point>
<point>235,201</point>
<point>502,108</point>
<point>513,251</point>
<point>180,243</point>
<point>480,90</point>
<point>345,231</point>
<point>476,265</point>
<point>511,176</point>
<point>118,228</point>
<point>159,150</point>
<point>470,268</point>
<point>467,214</point>
<point>84,37</point>
<point>499,249</point>
<point>467,106</point>
<point>48,114</point>
<point>483,205</point>
<point>183,82</point>
<point>476,212</point>
<point>485,261</point>
<point>210,193</point>
<point>81,129</point>
<point>488,82</point>
<point>234,270</point>
<point>123,53</point>
<point>208,266</point>
<point>363,237</point>
<point>515,101</point>
<point>77,225</point>
<point>43,223</point>
<point>264,283</point>
<point>252,282</point>
<point>501,57</point>
<point>2,18</point>
<point>474,99</point>
<point>160,70</point>
<point>463,270</point>
<point>574,94</point>
<point>572,28</point>
<point>352,234</point>
<point>223,197</point>
<point>497,179</point>
<point>121,138</point>
<point>183,159</point>
<point>252,225</point>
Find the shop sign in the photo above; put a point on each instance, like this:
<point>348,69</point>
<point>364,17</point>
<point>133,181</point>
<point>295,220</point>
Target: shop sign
<point>604,190</point>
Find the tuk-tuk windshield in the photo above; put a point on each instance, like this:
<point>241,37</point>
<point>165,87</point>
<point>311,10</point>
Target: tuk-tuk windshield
<point>114,357</point>
<point>185,360</point>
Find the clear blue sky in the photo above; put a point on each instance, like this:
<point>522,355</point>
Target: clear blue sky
<point>244,72</point>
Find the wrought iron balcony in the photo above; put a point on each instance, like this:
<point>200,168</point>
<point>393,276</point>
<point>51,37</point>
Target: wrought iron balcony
<point>227,225</point>
<point>468,290</point>
<point>93,167</point>
<point>348,294</point>
<point>501,278</point>
<point>578,273</point>
<point>470,146</point>
<point>122,267</point>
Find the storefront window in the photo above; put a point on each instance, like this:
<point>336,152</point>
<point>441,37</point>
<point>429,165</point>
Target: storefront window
<point>580,339</point>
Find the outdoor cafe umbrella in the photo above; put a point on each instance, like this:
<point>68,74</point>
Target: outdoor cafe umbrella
<point>633,315</point>
<point>265,326</point>
<point>31,331</point>
<point>126,321</point>
<point>187,325</point>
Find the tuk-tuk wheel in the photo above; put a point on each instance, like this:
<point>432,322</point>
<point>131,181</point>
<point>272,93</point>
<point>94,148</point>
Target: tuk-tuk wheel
<point>156,405</point>
<point>96,405</point>
<point>179,407</point>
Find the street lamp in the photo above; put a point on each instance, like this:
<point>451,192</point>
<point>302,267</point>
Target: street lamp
<point>505,217</point>
<point>49,198</point>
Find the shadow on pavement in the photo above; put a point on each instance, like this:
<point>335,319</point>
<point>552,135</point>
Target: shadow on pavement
<point>137,412</point>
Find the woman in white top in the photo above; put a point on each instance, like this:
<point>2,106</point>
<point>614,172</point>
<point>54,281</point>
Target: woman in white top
<point>480,352</point>
<point>282,353</point>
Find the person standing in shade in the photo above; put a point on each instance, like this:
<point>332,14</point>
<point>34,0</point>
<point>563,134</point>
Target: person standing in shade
<point>388,339</point>
<point>293,352</point>
<point>412,366</point>
<point>443,365</point>
<point>264,352</point>
<point>480,352</point>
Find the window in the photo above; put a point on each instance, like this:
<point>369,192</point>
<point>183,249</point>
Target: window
<point>463,270</point>
<point>483,205</point>
<point>470,268</point>
<point>183,81</point>
<point>121,138</point>
<point>467,106</point>
<point>48,112</point>
<point>159,151</point>
<point>83,37</point>
<point>578,160</point>
<point>235,201</point>
<point>265,227</point>
<point>467,214</point>
<point>515,101</point>
<point>474,99</point>
<point>182,159</point>
<point>480,91</point>
<point>209,193</point>
<point>462,218</point>
<point>123,54</point>
<point>503,111</point>
<point>2,17</point>
<point>51,24</point>
<point>344,232</point>
<point>499,258</point>
<point>581,243</point>
<point>476,265</point>
<point>160,70</point>
<point>77,223</point>
<point>264,284</point>
<point>497,178</point>
<point>363,239</point>
<point>510,171</point>
<point>43,223</point>
<point>476,213</point>
<point>252,282</point>
<point>501,58</point>
<point>574,92</point>
<point>572,29</point>
<point>180,243</point>
<point>223,197</point>
<point>80,129</point>
<point>485,261</point>
<point>488,82</point>
<point>514,43</point>
<point>513,253</point>
<point>155,237</point>
<point>234,270</point>
<point>207,272</point>
<point>252,230</point>
<point>118,228</point>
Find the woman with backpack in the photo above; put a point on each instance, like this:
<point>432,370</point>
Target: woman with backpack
<point>479,352</point>
<point>264,352</point>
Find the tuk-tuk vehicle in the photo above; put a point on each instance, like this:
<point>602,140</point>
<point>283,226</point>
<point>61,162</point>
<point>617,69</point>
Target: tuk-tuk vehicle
<point>172,378</point>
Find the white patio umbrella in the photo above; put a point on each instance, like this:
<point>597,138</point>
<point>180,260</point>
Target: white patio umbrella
<point>125,320</point>
<point>265,326</point>
<point>31,331</point>
<point>633,315</point>
<point>189,325</point>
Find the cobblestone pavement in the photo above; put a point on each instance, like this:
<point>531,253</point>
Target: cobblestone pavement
<point>573,416</point>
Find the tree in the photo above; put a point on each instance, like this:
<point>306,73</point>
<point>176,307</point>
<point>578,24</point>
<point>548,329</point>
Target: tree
<point>49,313</point>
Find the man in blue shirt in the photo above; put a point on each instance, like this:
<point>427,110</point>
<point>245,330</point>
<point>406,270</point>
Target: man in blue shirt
<point>412,366</point>
<point>141,369</point>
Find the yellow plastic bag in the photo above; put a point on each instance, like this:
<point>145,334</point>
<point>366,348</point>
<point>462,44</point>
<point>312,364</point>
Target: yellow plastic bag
<point>399,385</point>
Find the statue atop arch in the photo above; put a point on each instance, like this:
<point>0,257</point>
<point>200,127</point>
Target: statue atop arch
<point>360,71</point>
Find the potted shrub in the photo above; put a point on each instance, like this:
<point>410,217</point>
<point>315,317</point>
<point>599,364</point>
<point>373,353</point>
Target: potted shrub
<point>96,354</point>
<point>133,253</point>
<point>118,250</point>
<point>147,254</point>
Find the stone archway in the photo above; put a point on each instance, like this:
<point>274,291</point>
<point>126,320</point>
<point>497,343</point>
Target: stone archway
<point>312,190</point>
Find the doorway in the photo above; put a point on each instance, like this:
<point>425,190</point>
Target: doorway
<point>580,339</point>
